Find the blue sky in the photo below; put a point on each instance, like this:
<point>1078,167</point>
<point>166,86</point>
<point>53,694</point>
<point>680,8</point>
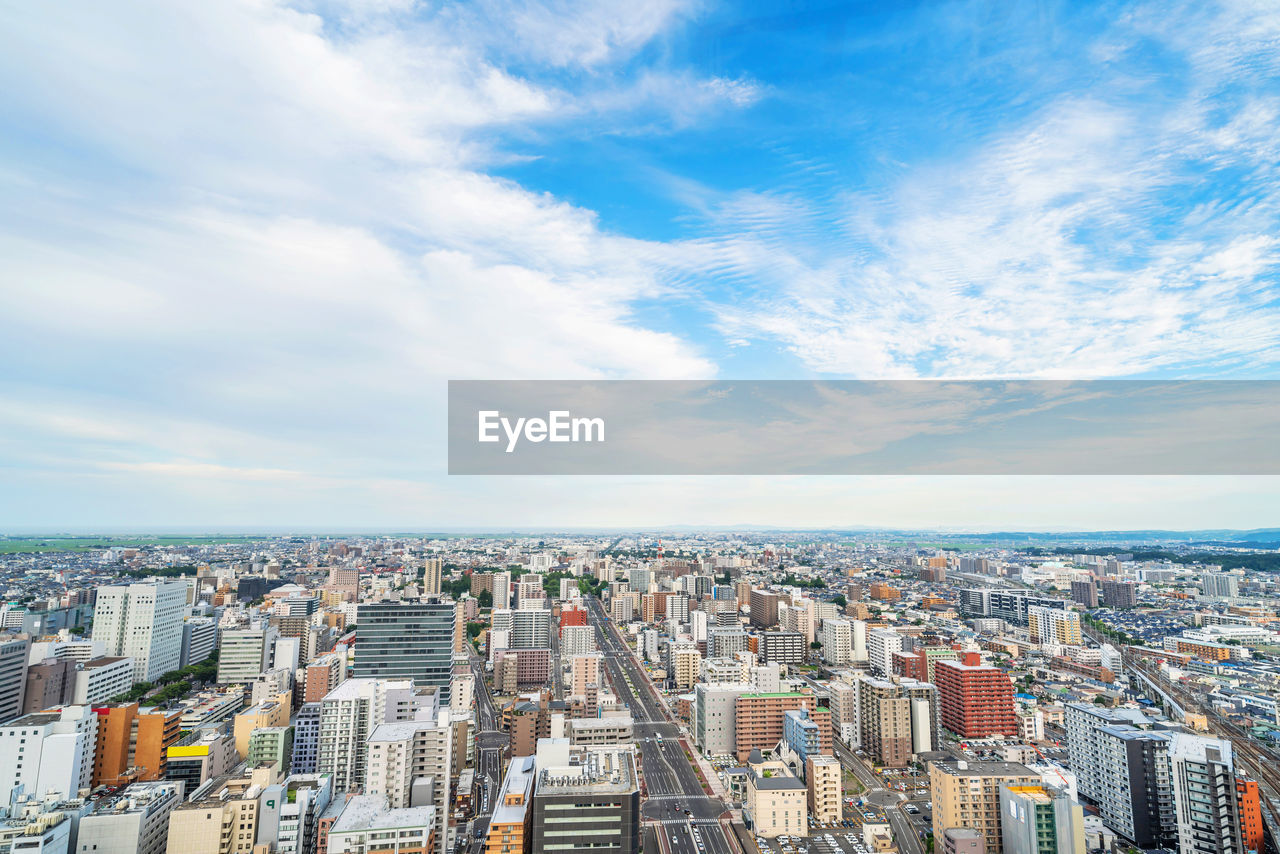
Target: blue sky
<point>246,243</point>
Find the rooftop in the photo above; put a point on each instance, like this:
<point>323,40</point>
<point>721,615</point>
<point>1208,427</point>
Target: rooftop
<point>371,812</point>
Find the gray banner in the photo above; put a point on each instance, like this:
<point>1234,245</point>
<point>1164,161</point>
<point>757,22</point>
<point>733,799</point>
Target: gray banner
<point>852,427</point>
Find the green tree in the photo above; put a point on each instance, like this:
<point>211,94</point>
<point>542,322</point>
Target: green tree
<point>485,599</point>
<point>839,601</point>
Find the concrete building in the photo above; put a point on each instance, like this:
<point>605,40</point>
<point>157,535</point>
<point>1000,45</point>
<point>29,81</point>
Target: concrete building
<point>760,720</point>
<point>266,714</point>
<point>577,640</point>
<point>1040,820</point>
<point>410,764</point>
<point>1206,804</point>
<point>306,740</point>
<point>764,609</point>
<point>599,732</point>
<point>684,665</point>
<point>199,640</point>
<point>133,743</point>
<point>510,826</point>
<point>715,716</point>
<point>136,821</point>
<point>222,816</point>
<point>837,642</point>
<point>13,675</point>
<point>100,679</point>
<point>1054,626</point>
<point>49,752</point>
<point>432,569</point>
<point>306,797</point>
<point>271,745</point>
<point>367,825</point>
<point>586,670</point>
<point>144,622</point>
<point>244,654</point>
<point>587,805</point>
<point>822,778</point>
<point>967,794</point>
<point>1084,592</point>
<point>352,711</point>
<point>881,645</point>
<point>963,840</point>
<point>776,801</point>
<point>975,701</point>
<point>201,756</point>
<point>782,647</point>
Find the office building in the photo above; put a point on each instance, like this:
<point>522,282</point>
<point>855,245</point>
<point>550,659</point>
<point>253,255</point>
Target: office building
<point>714,716</point>
<point>244,654</point>
<point>222,817</point>
<point>587,805</point>
<point>306,739</point>
<point>50,683</point>
<point>269,713</point>
<point>967,794</point>
<point>881,646</point>
<point>135,821</point>
<point>406,640</point>
<point>975,701</point>
<point>199,640</point>
<point>272,745</point>
<point>49,752</point>
<point>201,756</point>
<point>13,675</point>
<point>101,679</point>
<point>133,743</point>
<point>510,826</point>
<point>367,825</point>
<point>144,622</point>
<point>1039,819</point>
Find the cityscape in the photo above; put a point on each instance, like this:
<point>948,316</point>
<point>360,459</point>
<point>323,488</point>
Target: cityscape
<point>712,692</point>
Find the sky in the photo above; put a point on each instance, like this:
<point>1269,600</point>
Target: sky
<point>245,244</point>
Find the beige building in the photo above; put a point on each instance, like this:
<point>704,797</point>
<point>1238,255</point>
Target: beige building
<point>409,766</point>
<point>367,825</point>
<point>1054,626</point>
<point>586,671</point>
<point>776,802</point>
<point>822,776</point>
<point>967,794</point>
<point>224,820</point>
<point>686,664</point>
<point>269,713</point>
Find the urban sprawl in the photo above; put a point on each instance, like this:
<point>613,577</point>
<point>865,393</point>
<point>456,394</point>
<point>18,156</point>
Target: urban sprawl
<point>712,693</point>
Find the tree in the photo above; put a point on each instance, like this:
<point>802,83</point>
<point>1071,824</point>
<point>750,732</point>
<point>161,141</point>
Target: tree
<point>839,601</point>
<point>77,630</point>
<point>474,630</point>
<point>816,645</point>
<point>485,599</point>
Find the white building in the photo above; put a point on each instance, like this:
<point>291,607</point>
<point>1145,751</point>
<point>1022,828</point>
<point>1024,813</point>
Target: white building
<point>243,654</point>
<point>101,679</point>
<point>143,622</point>
<point>409,766</point>
<point>881,645</point>
<point>837,642</point>
<point>350,712</point>
<point>134,822</point>
<point>49,752</point>
<point>577,640</point>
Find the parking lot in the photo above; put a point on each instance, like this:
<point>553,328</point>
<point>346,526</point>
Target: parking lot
<point>841,841</point>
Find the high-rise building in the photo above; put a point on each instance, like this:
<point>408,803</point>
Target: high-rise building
<point>244,654</point>
<point>1084,592</point>
<point>501,590</point>
<point>199,640</point>
<point>271,745</point>
<point>975,701</point>
<point>577,640</point>
<point>133,743</point>
<point>530,628</point>
<point>782,647</point>
<point>837,642</point>
<point>306,797</point>
<point>142,621</point>
<point>881,645</point>
<point>967,794</point>
<point>1205,800</point>
<point>897,719</point>
<point>1054,626</point>
<point>306,739</point>
<point>407,640</point>
<point>685,662</point>
<point>1220,585</point>
<point>510,825</point>
<point>1038,819</point>
<point>222,818</point>
<point>352,711</point>
<point>49,751</point>
<point>760,720</point>
<point>13,675</point>
<point>714,716</point>
<point>822,777</point>
<point>588,804</point>
<point>1252,830</point>
<point>586,671</point>
<point>432,569</point>
<point>1124,770</point>
<point>409,765</point>
<point>764,608</point>
<point>50,683</point>
<point>1119,594</point>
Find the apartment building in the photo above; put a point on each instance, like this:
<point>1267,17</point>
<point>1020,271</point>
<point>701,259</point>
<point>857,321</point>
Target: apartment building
<point>410,764</point>
<point>1040,820</point>
<point>760,720</point>
<point>976,701</point>
<point>822,777</point>
<point>1054,626</point>
<point>967,794</point>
